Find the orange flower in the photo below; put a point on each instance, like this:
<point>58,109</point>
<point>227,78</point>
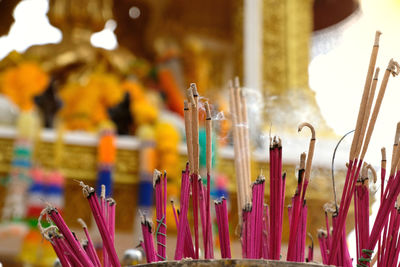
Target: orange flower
<point>22,82</point>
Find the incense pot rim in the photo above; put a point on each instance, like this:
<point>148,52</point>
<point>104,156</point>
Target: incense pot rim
<point>231,262</point>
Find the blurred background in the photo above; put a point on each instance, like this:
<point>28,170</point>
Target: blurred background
<point>93,90</point>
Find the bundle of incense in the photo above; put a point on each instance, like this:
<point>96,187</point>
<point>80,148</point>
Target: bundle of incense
<point>191,113</point>
<point>188,251</point>
<point>241,143</point>
<point>183,224</point>
<point>383,174</point>
<point>361,139</point>
<point>200,195</point>
<point>148,242</point>
<point>253,225</point>
<point>389,252</point>
<point>323,244</point>
<point>277,198</point>
<point>361,209</point>
<point>221,211</point>
<point>66,245</point>
<point>160,188</point>
<point>101,223</point>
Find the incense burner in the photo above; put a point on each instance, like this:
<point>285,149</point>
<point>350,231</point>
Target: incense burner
<point>230,262</point>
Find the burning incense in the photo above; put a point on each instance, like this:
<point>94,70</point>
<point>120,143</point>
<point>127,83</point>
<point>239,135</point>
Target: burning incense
<point>241,144</point>
<point>360,143</point>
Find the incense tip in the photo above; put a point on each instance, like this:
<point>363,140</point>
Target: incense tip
<point>321,233</point>
<point>308,125</point>
<point>303,160</point>
<point>377,36</point>
<point>82,223</point>
<point>195,93</point>
<point>230,84</point>
<point>111,201</point>
<point>208,111</point>
<point>86,190</point>
<point>376,73</point>
<point>383,152</point>
<point>189,95</point>
<point>393,67</point>
<point>156,177</point>
<point>237,83</point>
<point>103,191</point>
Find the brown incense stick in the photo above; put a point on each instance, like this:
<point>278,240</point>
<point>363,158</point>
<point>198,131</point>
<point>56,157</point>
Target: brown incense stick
<point>240,142</point>
<point>195,128</point>
<point>393,68</point>
<point>245,132</point>
<point>188,132</point>
<point>311,148</point>
<point>236,145</point>
<point>365,96</point>
<point>367,111</point>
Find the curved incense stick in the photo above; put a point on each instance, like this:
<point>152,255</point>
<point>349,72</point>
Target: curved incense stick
<point>310,153</point>
<point>393,68</point>
<point>333,167</point>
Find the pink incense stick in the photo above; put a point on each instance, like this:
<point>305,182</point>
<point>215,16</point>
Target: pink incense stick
<point>59,251</point>
<point>72,257</point>
<point>89,193</point>
<point>310,256</point>
<point>164,224</point>
<point>266,232</point>
<point>103,208</point>
<point>185,186</point>
<point>195,206</point>
<point>225,222</point>
<point>323,246</point>
<point>148,241</point>
<point>158,183</point>
<point>75,246</point>
<point>202,209</point>
<point>90,243</point>
<point>110,203</point>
